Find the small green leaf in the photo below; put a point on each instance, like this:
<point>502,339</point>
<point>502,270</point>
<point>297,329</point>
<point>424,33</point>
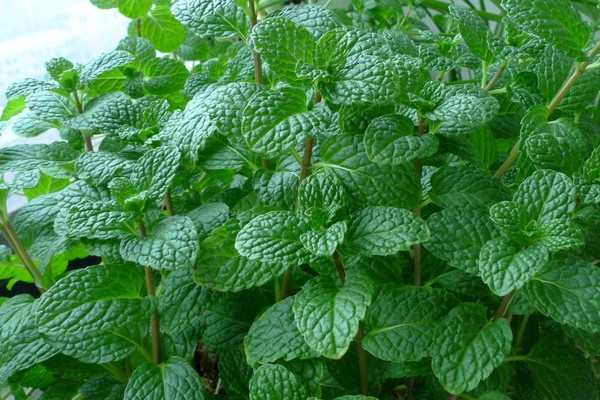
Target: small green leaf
<point>161,29</point>
<point>275,382</point>
<point>170,245</point>
<point>180,301</point>
<point>164,75</point>
<point>328,314</point>
<point>325,242</point>
<point>385,230</point>
<point>468,347</point>
<point>568,291</point>
<point>26,157</point>
<point>174,379</point>
<point>101,167</point>
<point>100,69</point>
<point>505,266</point>
<point>155,171</point>
<point>275,336</point>
<point>112,299</point>
<point>402,322</point>
<point>457,236</point>
<point>390,139</point>
<point>560,235</point>
<point>474,31</point>
<point>273,237</point>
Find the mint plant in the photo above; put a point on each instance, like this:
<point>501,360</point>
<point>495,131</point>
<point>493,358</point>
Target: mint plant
<point>377,200</point>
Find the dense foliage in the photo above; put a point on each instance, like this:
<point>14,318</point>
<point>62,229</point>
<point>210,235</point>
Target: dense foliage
<point>374,199</point>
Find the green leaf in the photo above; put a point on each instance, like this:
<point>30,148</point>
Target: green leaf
<point>164,75</point>
<point>321,191</point>
<point>100,71</point>
<point>171,244</point>
<point>559,25</point>
<point>402,322</point>
<point>568,291</point>
<point>95,347</point>
<point>275,336</point>
<point>275,120</point>
<point>457,236</point>
<point>26,157</point>
<point>468,347</point>
<point>327,314</point>
<point>50,106</point>
<point>284,45</point>
<point>96,220</point>
<point>141,48</point>
<point>101,167</point>
<point>30,125</point>
<point>273,237</point>
<point>390,139</point>
<point>465,186</point>
<point>13,107</point>
<point>21,344</point>
<point>37,215</point>
<point>174,379</point>
<point>560,235</point>
<point>582,93</point>
<point>381,230</point>
<point>27,87</point>
<point>369,183</point>
<point>317,20</point>
<point>552,71</point>
<point>474,31</point>
<point>324,242</point>
<point>505,266</point>
<point>560,371</point>
<point>111,299</point>
<point>134,8</point>
<point>155,171</point>
<point>161,29</point>
<point>275,382</point>
<point>215,18</point>
<point>180,301</point>
<point>221,267</point>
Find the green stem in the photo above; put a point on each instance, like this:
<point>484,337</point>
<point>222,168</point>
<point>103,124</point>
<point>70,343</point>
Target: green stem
<point>258,72</point>
<point>516,358</point>
<point>417,257</point>
<point>512,157</point>
<point>87,138</point>
<point>18,247</point>
<point>497,75</point>
<point>443,7</point>
<point>169,203</point>
<point>116,371</point>
<point>362,361</point>
<point>484,73</point>
<point>138,27</point>
<point>503,306</point>
<point>155,318</point>
<point>520,334</point>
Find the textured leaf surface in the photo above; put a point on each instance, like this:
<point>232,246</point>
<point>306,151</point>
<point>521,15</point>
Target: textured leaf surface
<point>457,236</point>
<point>402,322</point>
<point>175,379</point>
<point>273,237</point>
<point>327,314</point>
<point>155,171</point>
<point>567,290</point>
<point>161,29</point>
<point>389,140</point>
<point>97,220</point>
<point>385,230</point>
<point>275,336</point>
<point>474,31</point>
<point>180,301</point>
<point>219,18</point>
<point>468,347</point>
<point>505,266</point>
<point>275,382</point>
<point>112,299</point>
<point>324,242</point>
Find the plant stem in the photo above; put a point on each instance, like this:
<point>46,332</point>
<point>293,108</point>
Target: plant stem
<point>484,73</point>
<point>520,334</point>
<point>417,257</point>
<point>155,318</point>
<point>87,139</point>
<point>452,397</point>
<point>339,266</point>
<point>552,106</point>
<point>362,361</point>
<point>258,73</point>
<point>169,203</point>
<point>138,27</point>
<point>116,371</point>
<point>503,306</point>
<point>497,75</point>
<point>18,247</point>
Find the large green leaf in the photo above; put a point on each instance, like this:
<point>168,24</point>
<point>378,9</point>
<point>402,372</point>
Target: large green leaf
<point>402,322</point>
<point>328,314</point>
<point>180,301</point>
<point>174,379</point>
<point>214,18</point>
<point>468,347</point>
<point>161,29</point>
<point>170,245</point>
<point>381,230</point>
<point>112,298</point>
<point>567,290</point>
<point>275,382</point>
<point>275,336</point>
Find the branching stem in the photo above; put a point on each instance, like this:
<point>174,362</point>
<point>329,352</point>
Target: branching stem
<point>155,318</point>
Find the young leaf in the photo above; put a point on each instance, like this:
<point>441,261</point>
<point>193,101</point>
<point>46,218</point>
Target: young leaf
<point>161,29</point>
<point>155,171</point>
<point>324,242</point>
<point>219,18</point>
<point>275,336</point>
<point>112,299</point>
<point>402,322</point>
<point>275,382</point>
<point>385,230</point>
<point>468,347</point>
<point>170,245</point>
<point>327,314</point>
<point>164,75</point>
<point>474,31</point>
<point>174,379</point>
<point>134,8</point>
